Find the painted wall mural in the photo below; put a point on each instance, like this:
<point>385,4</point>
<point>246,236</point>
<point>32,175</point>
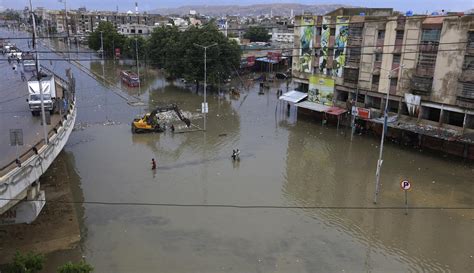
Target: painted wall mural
<point>307,30</point>
<point>321,89</point>
<point>342,32</point>
<point>325,33</point>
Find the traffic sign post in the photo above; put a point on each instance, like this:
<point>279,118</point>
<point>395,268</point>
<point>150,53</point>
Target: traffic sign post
<point>16,139</point>
<point>405,186</point>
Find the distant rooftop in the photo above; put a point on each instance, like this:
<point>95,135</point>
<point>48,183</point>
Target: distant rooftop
<point>359,11</point>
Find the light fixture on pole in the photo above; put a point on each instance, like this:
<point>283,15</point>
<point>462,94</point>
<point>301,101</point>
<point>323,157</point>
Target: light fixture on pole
<point>380,160</point>
<point>204,105</point>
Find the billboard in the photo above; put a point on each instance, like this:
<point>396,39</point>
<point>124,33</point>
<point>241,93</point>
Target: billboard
<point>325,33</point>
<point>342,31</point>
<point>306,44</point>
<point>321,89</point>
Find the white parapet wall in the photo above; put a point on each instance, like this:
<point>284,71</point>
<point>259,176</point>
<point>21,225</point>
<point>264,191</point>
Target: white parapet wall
<point>16,185</point>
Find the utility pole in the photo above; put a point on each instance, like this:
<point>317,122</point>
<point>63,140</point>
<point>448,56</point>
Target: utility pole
<point>205,108</point>
<point>138,67</point>
<point>38,77</point>
<point>67,28</point>
<point>380,160</point>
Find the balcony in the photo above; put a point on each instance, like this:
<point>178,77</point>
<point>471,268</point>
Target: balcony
<point>421,86</point>
<point>393,89</point>
<point>425,71</point>
<point>354,40</point>
<point>398,46</point>
<point>466,91</point>
<point>429,47</point>
<point>379,42</point>
<point>375,87</point>
<point>318,41</point>
<point>467,75</point>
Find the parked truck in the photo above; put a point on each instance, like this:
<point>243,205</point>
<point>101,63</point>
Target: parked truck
<point>53,90</point>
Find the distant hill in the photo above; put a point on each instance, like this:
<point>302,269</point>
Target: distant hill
<point>252,10</point>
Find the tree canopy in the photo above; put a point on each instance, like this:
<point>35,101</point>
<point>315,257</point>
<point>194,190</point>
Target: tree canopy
<point>110,36</point>
<point>25,263</point>
<point>81,267</point>
<point>257,34</point>
<point>178,53</point>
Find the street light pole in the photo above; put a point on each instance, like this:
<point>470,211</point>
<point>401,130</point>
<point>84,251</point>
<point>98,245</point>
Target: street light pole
<point>380,160</point>
<point>138,67</point>
<point>205,79</point>
<point>39,77</point>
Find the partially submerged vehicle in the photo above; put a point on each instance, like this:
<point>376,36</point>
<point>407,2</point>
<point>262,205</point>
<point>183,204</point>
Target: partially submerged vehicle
<point>129,78</point>
<point>151,123</point>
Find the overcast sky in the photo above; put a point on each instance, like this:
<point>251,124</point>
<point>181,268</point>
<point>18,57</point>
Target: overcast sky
<point>124,5</point>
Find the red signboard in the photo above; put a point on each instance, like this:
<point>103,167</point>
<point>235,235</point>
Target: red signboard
<point>276,56</point>
<point>250,60</point>
<point>360,112</point>
<point>117,52</point>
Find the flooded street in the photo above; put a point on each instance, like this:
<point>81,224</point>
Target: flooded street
<point>202,212</point>
<point>283,163</point>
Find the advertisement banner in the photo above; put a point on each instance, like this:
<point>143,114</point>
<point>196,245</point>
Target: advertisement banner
<point>342,31</point>
<point>306,44</point>
<point>321,89</point>
<point>325,33</point>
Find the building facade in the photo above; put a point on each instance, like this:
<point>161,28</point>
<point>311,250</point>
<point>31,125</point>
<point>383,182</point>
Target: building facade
<point>425,63</point>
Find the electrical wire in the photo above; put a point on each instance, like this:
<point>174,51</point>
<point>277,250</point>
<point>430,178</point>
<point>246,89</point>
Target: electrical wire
<point>292,55</point>
<point>236,206</point>
<point>284,48</point>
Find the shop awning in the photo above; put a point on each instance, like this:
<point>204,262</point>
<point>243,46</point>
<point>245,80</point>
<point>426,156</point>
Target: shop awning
<point>332,110</point>
<point>313,106</point>
<point>336,111</point>
<point>293,96</point>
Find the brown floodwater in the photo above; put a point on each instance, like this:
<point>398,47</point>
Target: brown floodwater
<point>286,161</point>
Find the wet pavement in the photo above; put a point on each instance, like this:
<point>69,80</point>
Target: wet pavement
<point>285,162</point>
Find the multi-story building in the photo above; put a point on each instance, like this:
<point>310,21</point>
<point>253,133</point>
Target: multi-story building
<point>81,21</point>
<point>425,63</point>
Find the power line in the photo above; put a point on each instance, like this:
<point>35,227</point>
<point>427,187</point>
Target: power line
<point>292,55</point>
<point>236,206</point>
<point>288,48</point>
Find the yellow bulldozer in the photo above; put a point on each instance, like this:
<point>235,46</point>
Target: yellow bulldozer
<point>150,122</point>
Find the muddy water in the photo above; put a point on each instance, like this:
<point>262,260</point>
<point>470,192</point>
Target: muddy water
<point>285,161</point>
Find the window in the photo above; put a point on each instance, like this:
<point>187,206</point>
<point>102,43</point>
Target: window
<point>454,118</point>
<point>318,31</point>
<point>399,35</point>
<point>381,34</point>
<point>396,58</point>
<point>140,31</point>
<point>393,82</point>
<point>375,79</point>
<point>427,59</point>
<point>468,62</point>
<point>431,35</point>
<point>378,57</point>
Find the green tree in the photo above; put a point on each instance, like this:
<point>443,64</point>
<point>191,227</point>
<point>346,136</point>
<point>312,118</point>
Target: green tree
<point>257,34</point>
<point>11,14</point>
<point>111,38</point>
<point>28,263</point>
<point>81,267</point>
<point>177,52</point>
<point>130,46</point>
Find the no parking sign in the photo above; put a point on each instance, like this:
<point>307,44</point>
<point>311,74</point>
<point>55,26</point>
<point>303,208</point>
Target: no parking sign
<point>405,185</point>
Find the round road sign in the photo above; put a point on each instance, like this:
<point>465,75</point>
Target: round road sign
<point>405,185</point>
